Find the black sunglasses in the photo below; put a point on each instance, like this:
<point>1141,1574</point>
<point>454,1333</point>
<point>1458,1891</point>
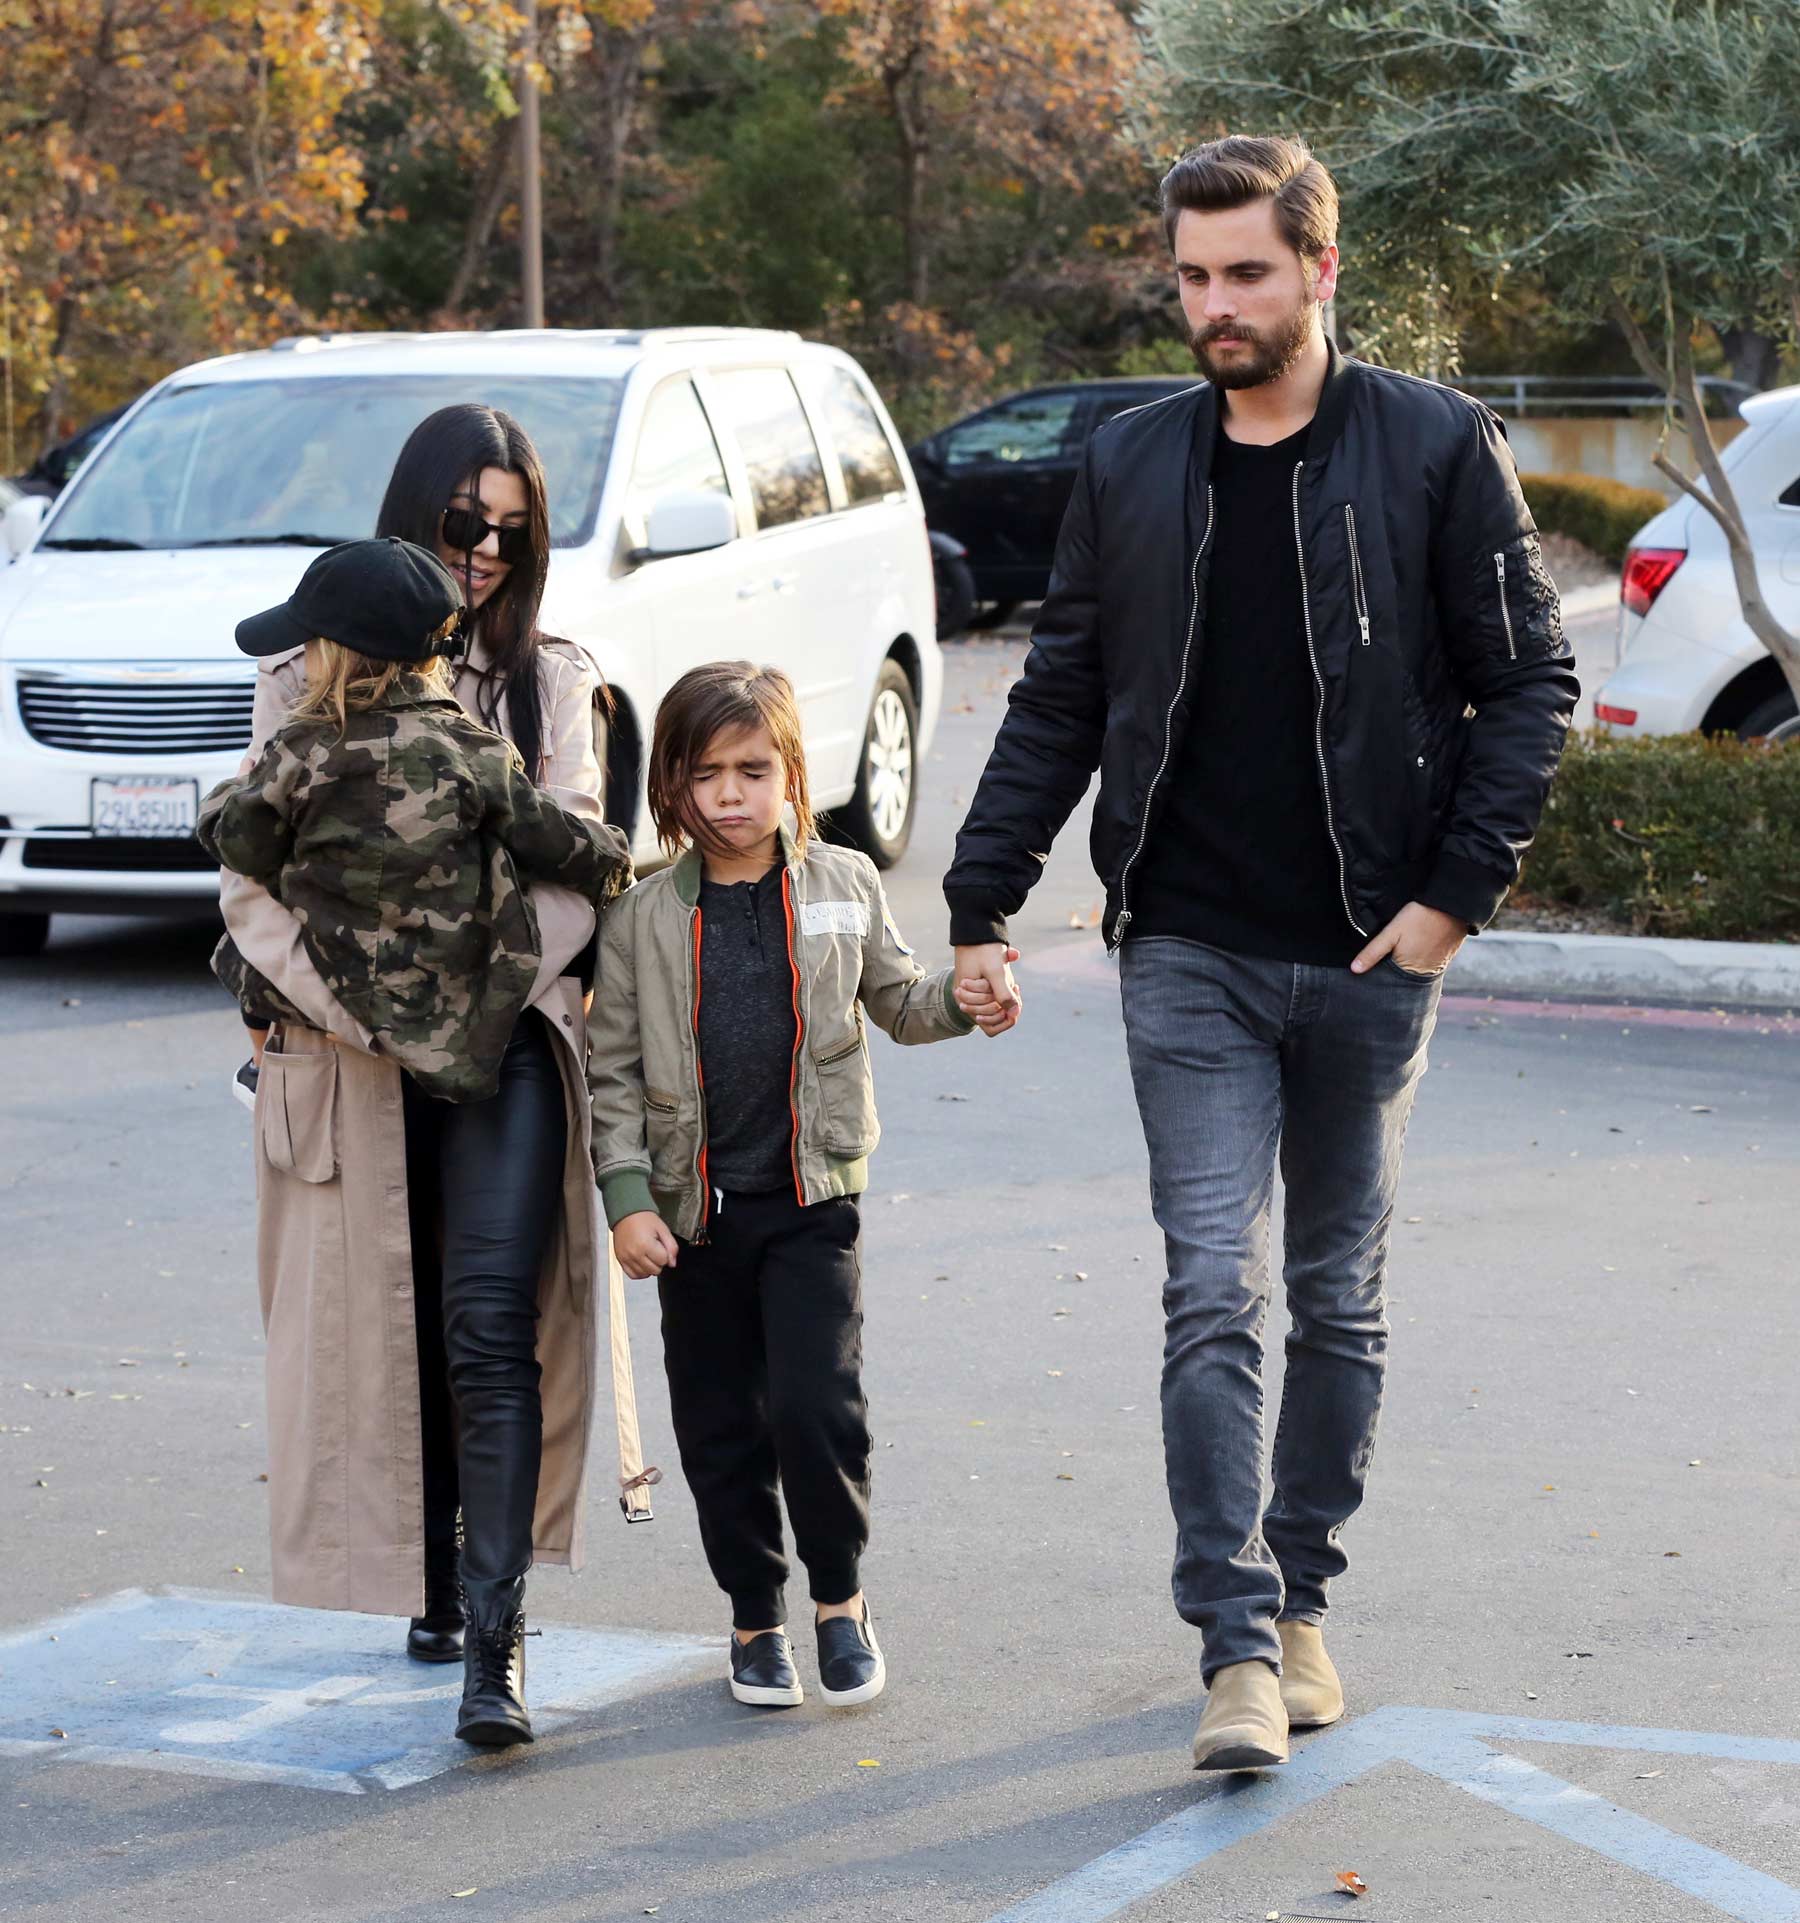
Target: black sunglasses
<point>465,530</point>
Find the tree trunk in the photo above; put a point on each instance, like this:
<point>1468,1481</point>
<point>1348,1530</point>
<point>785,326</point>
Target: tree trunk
<point>1755,358</point>
<point>618,64</point>
<point>490,197</point>
<point>906,97</point>
<point>1718,497</point>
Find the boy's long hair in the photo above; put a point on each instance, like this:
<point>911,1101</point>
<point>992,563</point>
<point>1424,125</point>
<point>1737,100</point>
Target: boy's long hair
<point>340,682</point>
<point>724,697</point>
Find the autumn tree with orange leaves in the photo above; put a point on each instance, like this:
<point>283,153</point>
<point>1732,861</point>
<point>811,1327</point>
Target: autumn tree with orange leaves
<point>1018,89</point>
<point>155,158</point>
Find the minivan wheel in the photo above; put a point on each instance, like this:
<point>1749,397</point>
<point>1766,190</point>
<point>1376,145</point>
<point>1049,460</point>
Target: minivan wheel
<point>879,816</point>
<point>23,935</point>
<point>1773,719</point>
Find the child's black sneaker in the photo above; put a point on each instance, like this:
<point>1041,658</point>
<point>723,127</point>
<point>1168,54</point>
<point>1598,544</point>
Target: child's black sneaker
<point>243,1084</point>
<point>851,1669</point>
<point>763,1672</point>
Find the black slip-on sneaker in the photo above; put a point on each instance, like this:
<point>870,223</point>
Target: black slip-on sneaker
<point>763,1672</point>
<point>851,1669</point>
<point>243,1085</point>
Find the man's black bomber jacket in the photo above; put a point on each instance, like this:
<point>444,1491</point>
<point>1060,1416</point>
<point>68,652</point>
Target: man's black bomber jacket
<point>1445,684</point>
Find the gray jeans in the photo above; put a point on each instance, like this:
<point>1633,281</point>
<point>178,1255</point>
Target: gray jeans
<point>1236,1061</point>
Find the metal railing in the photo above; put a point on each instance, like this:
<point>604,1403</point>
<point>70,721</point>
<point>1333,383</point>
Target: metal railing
<point>1523,395</point>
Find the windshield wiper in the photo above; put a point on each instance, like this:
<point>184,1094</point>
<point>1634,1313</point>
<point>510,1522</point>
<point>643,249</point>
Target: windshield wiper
<point>273,541</point>
<point>92,544</point>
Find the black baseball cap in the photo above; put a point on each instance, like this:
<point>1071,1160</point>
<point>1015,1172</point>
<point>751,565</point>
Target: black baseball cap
<point>387,599</point>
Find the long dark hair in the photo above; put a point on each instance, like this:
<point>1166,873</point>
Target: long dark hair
<point>444,455</point>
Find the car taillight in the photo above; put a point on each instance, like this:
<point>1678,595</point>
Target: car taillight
<point>1647,572</point>
<point>1618,717</point>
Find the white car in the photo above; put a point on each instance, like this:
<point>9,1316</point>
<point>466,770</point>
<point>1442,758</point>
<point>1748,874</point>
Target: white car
<point>714,493</point>
<point>1687,659</point>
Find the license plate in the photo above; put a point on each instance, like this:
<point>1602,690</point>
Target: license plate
<point>161,805</point>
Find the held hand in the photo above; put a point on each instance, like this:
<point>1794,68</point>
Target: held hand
<point>644,1245</point>
<point>985,989</point>
<point>1420,940</point>
<point>259,1040</point>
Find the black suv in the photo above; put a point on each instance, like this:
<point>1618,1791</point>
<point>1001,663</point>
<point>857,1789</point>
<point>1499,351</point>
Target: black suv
<point>997,481</point>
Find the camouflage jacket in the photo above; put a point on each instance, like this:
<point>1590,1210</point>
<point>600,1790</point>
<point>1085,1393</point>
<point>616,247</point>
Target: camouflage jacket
<point>400,847</point>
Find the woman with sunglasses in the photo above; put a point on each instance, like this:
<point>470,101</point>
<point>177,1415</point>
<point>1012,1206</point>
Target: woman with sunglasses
<point>430,1269</point>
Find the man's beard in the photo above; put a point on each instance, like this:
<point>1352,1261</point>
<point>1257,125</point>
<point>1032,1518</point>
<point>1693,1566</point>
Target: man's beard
<point>1271,355</point>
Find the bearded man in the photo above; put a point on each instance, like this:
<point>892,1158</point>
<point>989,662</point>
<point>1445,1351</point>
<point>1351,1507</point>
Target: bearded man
<point>1299,622</point>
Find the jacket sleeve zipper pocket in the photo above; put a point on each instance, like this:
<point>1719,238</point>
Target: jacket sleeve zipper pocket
<point>1356,575</point>
<point>1505,612</point>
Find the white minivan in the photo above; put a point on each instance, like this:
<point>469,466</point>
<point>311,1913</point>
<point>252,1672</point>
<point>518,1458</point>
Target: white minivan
<point>714,493</point>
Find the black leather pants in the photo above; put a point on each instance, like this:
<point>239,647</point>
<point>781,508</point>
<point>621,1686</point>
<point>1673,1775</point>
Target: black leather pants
<point>485,1192</point>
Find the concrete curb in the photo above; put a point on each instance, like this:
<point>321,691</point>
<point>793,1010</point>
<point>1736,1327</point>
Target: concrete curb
<point>1629,968</point>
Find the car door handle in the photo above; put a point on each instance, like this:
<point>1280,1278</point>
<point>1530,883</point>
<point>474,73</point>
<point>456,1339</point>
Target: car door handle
<point>749,590</point>
<point>785,583</point>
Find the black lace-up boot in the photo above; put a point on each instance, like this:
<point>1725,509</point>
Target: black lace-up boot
<point>493,1709</point>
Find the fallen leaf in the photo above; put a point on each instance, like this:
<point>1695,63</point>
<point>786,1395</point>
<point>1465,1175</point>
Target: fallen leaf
<point>1349,1880</point>
<point>1644,1775</point>
<point>1081,1275</point>
<point>1062,1477</point>
<point>1053,1372</point>
<point>464,1892</point>
<point>868,1762</point>
<point>62,1735</point>
<point>1531,1695</point>
<point>1695,1463</point>
<point>1671,1552</point>
<point>1699,1108</point>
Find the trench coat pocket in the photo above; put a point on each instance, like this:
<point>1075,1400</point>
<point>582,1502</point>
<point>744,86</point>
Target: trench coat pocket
<point>296,1103</point>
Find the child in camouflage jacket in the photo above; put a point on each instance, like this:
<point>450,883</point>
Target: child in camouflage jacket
<point>396,830</point>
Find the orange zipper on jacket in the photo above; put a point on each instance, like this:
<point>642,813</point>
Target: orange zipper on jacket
<point>787,903</point>
<point>700,1078</point>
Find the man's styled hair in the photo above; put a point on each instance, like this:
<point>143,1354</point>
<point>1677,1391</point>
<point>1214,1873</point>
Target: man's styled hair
<point>1242,168</point>
<point>723,697</point>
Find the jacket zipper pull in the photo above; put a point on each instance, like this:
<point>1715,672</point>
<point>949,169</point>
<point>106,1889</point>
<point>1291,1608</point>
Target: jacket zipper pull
<point>1362,621</point>
<point>1119,927</point>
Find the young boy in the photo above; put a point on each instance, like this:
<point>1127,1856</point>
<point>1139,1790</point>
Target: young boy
<point>734,1115</point>
<point>394,827</point>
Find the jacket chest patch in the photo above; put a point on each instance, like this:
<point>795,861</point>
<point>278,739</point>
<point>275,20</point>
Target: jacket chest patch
<point>834,918</point>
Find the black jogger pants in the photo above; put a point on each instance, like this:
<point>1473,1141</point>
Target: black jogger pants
<point>762,1339</point>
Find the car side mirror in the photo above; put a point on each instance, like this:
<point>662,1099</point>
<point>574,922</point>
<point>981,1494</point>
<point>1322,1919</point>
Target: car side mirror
<point>23,519</point>
<point>687,523</point>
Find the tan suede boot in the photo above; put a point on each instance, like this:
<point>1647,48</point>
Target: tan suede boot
<point>1310,1691</point>
<point>1244,1725</point>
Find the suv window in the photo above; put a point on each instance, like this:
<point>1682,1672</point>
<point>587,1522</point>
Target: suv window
<point>676,454</point>
<point>1038,427</point>
<point>870,470</point>
<point>787,477</point>
<point>1790,495</point>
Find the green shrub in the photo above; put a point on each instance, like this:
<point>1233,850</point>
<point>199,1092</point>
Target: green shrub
<point>1600,514</point>
<point>1675,835</point>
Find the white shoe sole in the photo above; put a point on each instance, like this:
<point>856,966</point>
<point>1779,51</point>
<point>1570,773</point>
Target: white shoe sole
<point>245,1095</point>
<point>760,1698</point>
<point>862,1693</point>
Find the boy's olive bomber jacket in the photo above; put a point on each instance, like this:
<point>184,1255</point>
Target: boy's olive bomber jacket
<point>644,1067</point>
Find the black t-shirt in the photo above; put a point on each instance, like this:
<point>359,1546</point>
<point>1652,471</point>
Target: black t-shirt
<point>1240,857</point>
<point>747,1034</point>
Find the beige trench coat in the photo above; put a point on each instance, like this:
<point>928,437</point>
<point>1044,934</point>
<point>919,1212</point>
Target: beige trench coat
<point>334,1252</point>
